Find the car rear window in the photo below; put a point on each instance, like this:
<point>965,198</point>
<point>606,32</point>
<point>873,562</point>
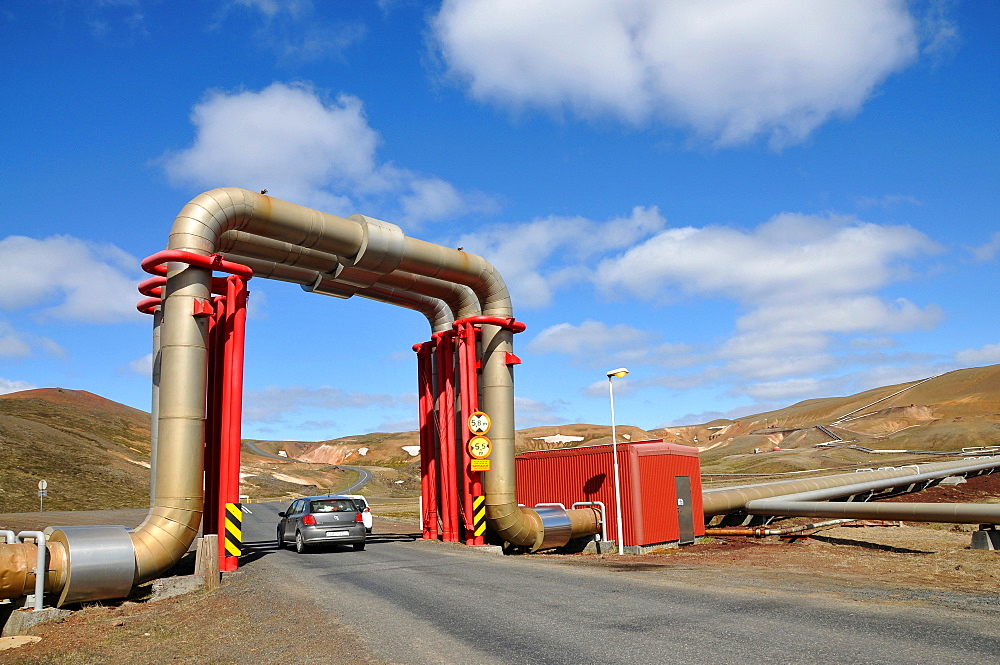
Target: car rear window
<point>334,506</point>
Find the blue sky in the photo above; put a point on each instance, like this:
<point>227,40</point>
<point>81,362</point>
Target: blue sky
<point>745,203</point>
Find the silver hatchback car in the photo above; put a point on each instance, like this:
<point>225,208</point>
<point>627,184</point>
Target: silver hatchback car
<point>321,520</point>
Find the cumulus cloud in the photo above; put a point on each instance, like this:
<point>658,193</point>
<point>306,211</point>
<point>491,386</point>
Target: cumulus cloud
<point>142,366</point>
<point>69,279</point>
<point>730,70</point>
<point>14,386</point>
<point>533,413</point>
<point>598,344</point>
<point>986,355</point>
<point>802,280</point>
<point>294,31</point>
<point>18,344</point>
<point>540,256</point>
<point>272,404</point>
<point>301,147</point>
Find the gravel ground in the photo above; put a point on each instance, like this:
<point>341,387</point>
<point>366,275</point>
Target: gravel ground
<point>260,620</point>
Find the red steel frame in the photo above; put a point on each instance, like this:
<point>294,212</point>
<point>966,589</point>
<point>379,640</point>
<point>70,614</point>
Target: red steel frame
<point>447,482</point>
<point>226,314</point>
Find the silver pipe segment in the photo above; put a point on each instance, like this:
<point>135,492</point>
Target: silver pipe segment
<point>437,312</point>
<point>751,498</point>
<point>460,298</point>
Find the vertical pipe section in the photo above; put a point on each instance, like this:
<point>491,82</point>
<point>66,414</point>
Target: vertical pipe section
<point>173,521</point>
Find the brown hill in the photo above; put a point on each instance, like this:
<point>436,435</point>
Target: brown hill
<point>943,413</point>
<point>94,453</point>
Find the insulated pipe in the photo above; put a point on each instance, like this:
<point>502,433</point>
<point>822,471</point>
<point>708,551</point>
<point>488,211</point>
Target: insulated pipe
<point>728,500</point>
<point>437,312</point>
<point>242,246</point>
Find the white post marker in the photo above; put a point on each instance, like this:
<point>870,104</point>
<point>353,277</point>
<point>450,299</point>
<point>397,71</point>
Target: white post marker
<point>42,493</point>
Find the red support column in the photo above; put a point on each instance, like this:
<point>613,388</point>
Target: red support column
<point>428,454</point>
<point>232,410</point>
<point>213,414</point>
<point>445,394</point>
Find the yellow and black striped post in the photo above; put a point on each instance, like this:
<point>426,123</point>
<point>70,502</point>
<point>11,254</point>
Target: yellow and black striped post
<point>478,515</point>
<point>234,529</point>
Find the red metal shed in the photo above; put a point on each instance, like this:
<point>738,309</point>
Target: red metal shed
<point>660,487</point>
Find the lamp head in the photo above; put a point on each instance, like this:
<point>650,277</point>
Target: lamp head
<point>619,373</point>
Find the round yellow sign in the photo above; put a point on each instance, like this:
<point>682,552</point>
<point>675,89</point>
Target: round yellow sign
<point>479,423</point>
<point>480,447</point>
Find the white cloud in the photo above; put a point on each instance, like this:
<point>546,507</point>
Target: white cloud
<point>533,413</point>
<point>988,251</point>
<point>731,70</point>
<point>309,150</point>
<point>142,366</point>
<point>72,279</point>
<point>17,344</point>
<point>294,31</point>
<point>986,355</point>
<point>540,256</point>
<point>14,386</point>
<point>272,404</point>
<point>597,344</point>
<point>802,279</point>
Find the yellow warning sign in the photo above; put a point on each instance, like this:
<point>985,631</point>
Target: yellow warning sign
<point>480,465</point>
<point>480,447</point>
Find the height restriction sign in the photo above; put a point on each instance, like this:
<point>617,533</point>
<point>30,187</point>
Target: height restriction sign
<point>480,447</point>
<point>479,423</point>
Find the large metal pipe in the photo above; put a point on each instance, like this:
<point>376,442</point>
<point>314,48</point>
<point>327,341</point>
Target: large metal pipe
<point>374,248</point>
<point>365,250</point>
<point>732,499</point>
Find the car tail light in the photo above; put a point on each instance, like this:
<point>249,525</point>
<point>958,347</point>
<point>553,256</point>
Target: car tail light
<point>358,518</point>
<point>309,520</point>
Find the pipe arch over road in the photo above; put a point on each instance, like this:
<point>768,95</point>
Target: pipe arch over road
<point>328,255</point>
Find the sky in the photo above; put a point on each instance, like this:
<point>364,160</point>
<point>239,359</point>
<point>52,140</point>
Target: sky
<point>747,203</point>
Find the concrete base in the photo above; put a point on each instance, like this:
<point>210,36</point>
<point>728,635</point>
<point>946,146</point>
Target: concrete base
<point>643,549</point>
<point>487,549</point>
<point>168,587</point>
<point>986,539</point>
<point>22,620</point>
<point>601,547</point>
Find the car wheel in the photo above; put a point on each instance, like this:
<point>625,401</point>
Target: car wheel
<point>300,543</point>
<point>359,546</point>
<point>281,539</point>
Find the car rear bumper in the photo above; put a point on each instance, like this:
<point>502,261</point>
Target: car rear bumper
<point>318,535</point>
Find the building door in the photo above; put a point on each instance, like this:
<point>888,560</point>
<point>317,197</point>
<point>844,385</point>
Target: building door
<point>685,512</point>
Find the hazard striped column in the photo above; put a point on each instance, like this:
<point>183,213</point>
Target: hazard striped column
<point>478,515</point>
<point>234,530</point>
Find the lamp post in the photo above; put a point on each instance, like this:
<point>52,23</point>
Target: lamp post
<point>616,373</point>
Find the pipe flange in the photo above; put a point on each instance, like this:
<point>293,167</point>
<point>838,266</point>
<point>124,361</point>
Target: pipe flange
<point>381,247</point>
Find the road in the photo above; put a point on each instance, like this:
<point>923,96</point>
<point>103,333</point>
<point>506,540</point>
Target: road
<point>418,603</point>
<point>364,475</point>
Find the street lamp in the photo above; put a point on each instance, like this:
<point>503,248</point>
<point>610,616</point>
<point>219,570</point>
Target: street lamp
<point>616,373</point>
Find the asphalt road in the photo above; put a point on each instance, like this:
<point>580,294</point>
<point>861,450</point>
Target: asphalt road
<point>364,475</point>
<point>417,603</point>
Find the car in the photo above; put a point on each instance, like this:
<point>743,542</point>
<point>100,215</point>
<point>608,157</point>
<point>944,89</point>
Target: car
<point>366,511</point>
<point>321,520</point>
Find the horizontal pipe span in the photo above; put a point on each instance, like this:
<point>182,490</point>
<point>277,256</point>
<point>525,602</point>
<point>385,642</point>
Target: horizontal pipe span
<point>957,513</point>
<point>438,314</point>
<point>762,531</point>
<point>728,500</point>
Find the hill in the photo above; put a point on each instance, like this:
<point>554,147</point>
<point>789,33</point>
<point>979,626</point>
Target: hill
<point>943,413</point>
<point>94,453</point>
